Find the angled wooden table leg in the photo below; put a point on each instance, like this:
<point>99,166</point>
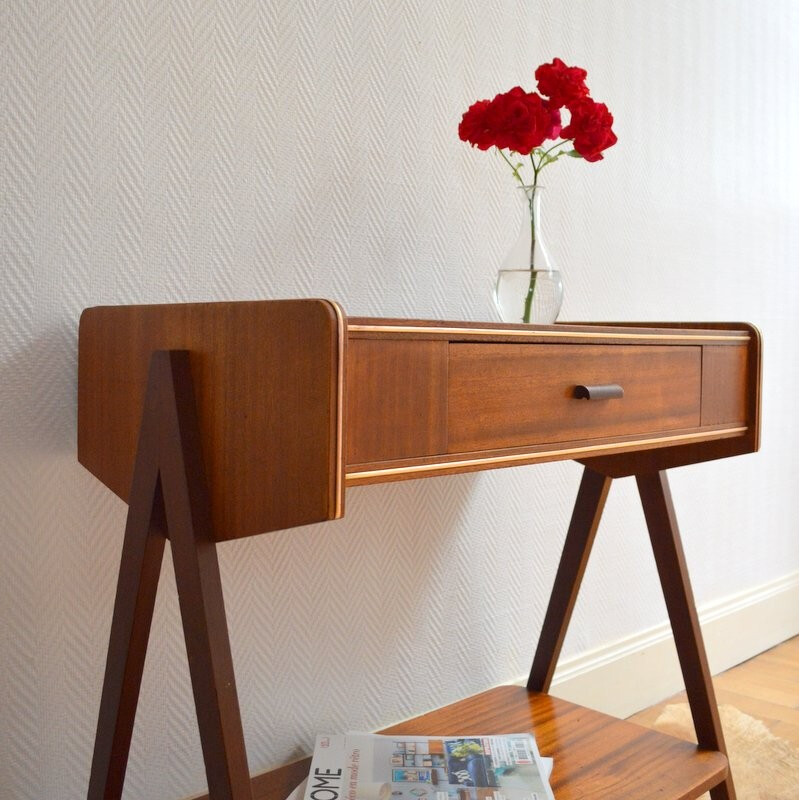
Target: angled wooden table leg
<point>574,557</point>
<point>663,528</point>
<point>194,552</point>
<point>142,553</point>
<point>169,497</point>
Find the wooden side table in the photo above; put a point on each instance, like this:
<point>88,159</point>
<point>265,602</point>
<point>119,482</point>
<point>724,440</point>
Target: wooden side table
<point>217,421</point>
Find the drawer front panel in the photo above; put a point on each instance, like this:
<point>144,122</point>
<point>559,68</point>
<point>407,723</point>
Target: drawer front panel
<point>396,400</point>
<point>724,385</point>
<point>508,395</point>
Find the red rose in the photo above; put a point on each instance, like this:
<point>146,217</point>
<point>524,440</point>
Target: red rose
<point>473,127</point>
<point>516,120</point>
<point>590,128</point>
<point>562,84</point>
<point>554,129</point>
<point>521,120</point>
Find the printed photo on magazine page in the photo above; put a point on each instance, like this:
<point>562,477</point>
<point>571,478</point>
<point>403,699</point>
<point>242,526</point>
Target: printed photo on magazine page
<point>374,767</point>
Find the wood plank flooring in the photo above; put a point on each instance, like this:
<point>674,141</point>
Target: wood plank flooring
<point>765,687</point>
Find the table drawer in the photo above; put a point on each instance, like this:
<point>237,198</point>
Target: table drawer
<point>509,395</point>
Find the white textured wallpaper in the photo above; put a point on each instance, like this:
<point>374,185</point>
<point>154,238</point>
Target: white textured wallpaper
<point>175,150</point>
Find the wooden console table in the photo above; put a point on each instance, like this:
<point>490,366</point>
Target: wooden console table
<point>217,421</point>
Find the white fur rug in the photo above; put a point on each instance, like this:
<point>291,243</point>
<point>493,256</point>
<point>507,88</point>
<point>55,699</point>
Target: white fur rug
<point>764,767</point>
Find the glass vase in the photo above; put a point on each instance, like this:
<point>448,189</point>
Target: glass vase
<point>529,287</point>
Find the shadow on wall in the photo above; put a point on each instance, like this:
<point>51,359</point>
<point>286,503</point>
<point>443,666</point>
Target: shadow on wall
<point>352,618</point>
<point>38,393</point>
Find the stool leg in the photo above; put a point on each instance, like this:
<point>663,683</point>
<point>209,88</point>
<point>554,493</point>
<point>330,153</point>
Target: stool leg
<point>671,563</point>
<point>574,557</point>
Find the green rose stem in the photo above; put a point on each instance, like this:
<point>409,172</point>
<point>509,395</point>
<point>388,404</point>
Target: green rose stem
<point>526,313</point>
<point>544,160</point>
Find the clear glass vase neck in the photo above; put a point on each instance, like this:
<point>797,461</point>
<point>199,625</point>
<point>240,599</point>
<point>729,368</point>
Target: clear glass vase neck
<point>540,257</point>
<point>530,250</point>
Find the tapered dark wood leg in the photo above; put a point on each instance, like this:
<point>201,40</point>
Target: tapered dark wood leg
<point>140,566</point>
<point>197,577</point>
<point>142,553</point>
<point>577,547</point>
<point>169,497</point>
<point>668,550</point>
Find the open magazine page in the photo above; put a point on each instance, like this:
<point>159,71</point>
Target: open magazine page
<point>374,767</point>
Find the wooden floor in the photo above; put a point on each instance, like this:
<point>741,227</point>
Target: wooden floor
<point>765,687</point>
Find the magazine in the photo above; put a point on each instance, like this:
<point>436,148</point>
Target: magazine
<point>375,767</point>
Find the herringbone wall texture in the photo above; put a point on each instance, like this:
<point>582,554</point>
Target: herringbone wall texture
<point>173,150</point>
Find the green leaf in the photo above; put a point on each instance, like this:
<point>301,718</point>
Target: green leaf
<point>574,154</point>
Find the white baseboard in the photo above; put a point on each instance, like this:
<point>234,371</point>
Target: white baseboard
<point>631,674</point>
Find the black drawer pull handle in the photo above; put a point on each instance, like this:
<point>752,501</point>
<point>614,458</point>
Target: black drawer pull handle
<point>606,391</point>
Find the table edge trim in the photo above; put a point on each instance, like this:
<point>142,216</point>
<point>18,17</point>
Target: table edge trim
<point>541,456</point>
<point>467,331</point>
